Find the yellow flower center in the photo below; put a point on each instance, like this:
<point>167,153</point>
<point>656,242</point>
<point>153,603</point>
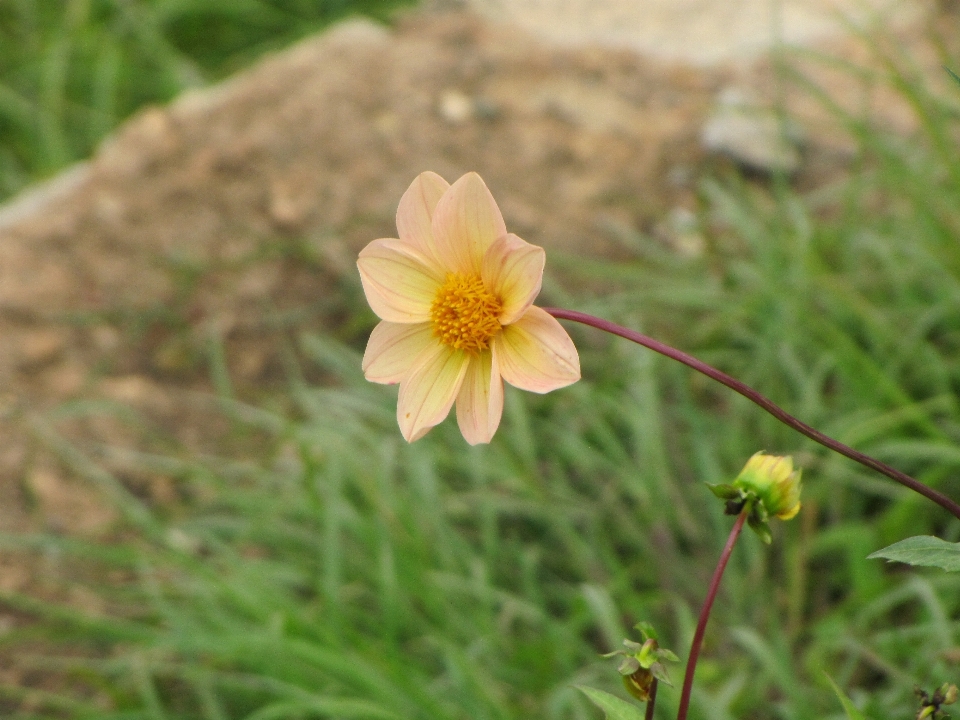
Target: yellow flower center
<point>465,315</point>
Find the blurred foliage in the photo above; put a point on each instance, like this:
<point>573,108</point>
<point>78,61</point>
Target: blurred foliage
<point>70,70</point>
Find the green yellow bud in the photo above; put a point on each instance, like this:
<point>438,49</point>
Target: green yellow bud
<point>774,483</point>
<point>768,486</point>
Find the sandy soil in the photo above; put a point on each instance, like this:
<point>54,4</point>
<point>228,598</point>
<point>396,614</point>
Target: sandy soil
<point>701,32</point>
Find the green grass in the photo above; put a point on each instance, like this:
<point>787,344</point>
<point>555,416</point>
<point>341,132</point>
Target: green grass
<point>332,571</point>
<point>71,70</point>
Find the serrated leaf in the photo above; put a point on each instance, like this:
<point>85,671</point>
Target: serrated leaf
<point>923,550</point>
<point>613,707</point>
<point>848,707</point>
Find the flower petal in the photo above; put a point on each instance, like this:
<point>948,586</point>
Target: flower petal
<point>480,401</point>
<point>392,349</point>
<point>428,391</point>
<point>513,271</point>
<point>465,223</point>
<point>415,212</point>
<point>536,354</point>
<point>399,282</point>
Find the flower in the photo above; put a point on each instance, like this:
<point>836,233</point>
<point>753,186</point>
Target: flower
<point>768,486</point>
<point>455,296</point>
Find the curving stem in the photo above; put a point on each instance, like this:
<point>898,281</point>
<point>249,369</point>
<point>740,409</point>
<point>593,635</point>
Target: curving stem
<point>748,392</point>
<point>705,614</point>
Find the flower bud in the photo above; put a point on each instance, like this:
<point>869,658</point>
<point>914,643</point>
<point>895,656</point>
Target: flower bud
<point>774,482</point>
<point>642,663</point>
<point>931,705</point>
<point>768,486</point>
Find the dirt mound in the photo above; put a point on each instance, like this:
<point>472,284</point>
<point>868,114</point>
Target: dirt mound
<point>227,218</point>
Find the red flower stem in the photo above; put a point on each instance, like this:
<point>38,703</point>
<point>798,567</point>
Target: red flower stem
<point>705,614</point>
<point>768,405</point>
<point>652,701</point>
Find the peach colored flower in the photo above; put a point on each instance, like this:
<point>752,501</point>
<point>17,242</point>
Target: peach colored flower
<point>455,294</point>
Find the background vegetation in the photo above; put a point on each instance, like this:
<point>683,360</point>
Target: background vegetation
<point>70,70</point>
<point>340,573</point>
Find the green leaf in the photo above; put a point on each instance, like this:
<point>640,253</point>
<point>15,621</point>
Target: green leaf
<point>613,707</point>
<point>848,707</point>
<point>952,74</point>
<point>924,550</point>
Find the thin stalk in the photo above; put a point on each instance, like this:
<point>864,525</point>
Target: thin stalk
<point>748,392</point>
<point>652,701</point>
<point>705,614</point>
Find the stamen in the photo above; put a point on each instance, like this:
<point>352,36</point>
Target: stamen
<point>465,314</point>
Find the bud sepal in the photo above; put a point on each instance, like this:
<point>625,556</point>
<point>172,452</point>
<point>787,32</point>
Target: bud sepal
<point>642,663</point>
